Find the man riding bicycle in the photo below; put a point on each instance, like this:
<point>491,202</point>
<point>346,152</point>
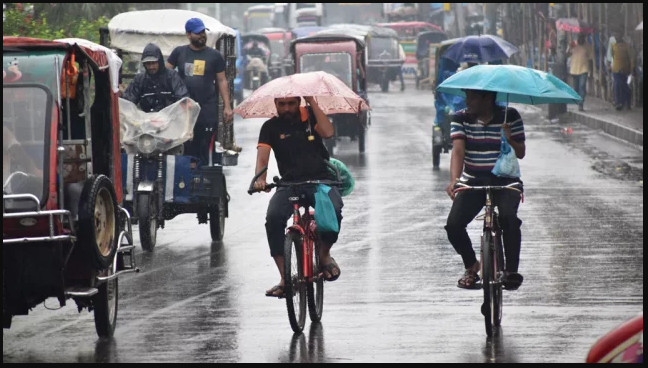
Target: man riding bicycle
<point>475,133</point>
<point>295,136</point>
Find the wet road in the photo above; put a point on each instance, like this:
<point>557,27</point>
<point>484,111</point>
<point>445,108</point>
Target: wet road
<point>396,300</point>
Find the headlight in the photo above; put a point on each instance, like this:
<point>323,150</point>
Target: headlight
<point>146,143</point>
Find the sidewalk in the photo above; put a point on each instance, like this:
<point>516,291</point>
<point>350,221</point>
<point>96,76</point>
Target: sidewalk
<point>598,114</point>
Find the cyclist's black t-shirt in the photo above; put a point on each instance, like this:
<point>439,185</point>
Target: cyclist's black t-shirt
<point>297,157</point>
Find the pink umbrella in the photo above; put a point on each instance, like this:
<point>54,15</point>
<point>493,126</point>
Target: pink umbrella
<point>330,93</point>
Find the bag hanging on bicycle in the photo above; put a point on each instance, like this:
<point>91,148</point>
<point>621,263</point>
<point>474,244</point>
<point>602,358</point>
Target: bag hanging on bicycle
<point>325,216</point>
<point>507,163</point>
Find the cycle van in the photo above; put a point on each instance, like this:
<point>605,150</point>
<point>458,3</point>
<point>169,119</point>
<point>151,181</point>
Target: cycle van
<point>345,57</point>
<point>158,183</point>
<point>65,233</point>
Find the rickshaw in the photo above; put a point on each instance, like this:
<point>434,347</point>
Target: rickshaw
<point>426,45</point>
<point>256,66</point>
<point>160,184</point>
<point>385,55</point>
<point>345,57</point>
<point>445,104</point>
<point>279,49</point>
<point>65,233</point>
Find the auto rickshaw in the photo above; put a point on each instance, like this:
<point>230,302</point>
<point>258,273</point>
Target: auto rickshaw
<point>279,49</point>
<point>160,184</point>
<point>65,233</point>
<point>407,32</point>
<point>426,45</point>
<point>256,66</point>
<point>345,57</point>
<point>385,54</point>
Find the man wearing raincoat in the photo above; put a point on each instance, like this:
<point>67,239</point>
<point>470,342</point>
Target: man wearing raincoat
<point>159,87</point>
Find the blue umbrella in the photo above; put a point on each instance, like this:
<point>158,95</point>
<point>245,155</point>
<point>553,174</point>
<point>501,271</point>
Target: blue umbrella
<point>480,49</point>
<point>512,83</point>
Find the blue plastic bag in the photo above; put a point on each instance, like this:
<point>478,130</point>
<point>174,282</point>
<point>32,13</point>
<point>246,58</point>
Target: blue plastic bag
<point>325,216</point>
<point>507,163</point>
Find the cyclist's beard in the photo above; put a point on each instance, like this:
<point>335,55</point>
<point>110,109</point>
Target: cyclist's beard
<point>291,117</point>
<point>199,42</point>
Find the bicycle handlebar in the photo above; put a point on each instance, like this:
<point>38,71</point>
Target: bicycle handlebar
<point>277,182</point>
<point>513,186</point>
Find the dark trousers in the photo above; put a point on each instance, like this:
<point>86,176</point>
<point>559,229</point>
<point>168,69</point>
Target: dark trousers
<point>467,205</point>
<point>621,89</point>
<point>199,145</point>
<point>280,210</point>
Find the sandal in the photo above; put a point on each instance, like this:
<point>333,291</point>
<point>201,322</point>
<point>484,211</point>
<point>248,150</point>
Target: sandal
<point>512,280</point>
<point>469,280</point>
<point>330,267</point>
<point>273,291</point>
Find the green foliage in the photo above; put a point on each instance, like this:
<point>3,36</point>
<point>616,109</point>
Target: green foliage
<point>21,22</point>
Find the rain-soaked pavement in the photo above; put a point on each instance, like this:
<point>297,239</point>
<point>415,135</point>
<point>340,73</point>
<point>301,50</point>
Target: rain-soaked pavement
<point>396,300</point>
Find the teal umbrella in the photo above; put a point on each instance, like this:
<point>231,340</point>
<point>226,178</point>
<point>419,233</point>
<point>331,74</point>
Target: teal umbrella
<point>512,83</point>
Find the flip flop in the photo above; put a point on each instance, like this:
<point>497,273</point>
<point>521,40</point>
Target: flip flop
<point>271,292</point>
<point>329,268</point>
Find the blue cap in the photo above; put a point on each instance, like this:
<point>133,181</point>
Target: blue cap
<point>195,25</point>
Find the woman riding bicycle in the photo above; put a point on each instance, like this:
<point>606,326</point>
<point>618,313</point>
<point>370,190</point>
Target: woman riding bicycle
<point>475,133</point>
<point>296,135</point>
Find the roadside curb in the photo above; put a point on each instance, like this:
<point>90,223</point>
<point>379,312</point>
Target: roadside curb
<point>627,134</point>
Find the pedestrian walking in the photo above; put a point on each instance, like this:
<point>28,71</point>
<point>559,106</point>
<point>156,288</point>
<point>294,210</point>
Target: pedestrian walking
<point>580,68</point>
<point>203,69</point>
<point>622,66</point>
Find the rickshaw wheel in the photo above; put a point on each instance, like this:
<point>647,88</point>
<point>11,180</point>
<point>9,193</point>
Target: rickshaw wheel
<point>147,220</point>
<point>217,220</point>
<point>105,307</point>
<point>98,227</point>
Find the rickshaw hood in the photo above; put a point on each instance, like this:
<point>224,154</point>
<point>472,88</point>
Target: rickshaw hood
<point>100,55</point>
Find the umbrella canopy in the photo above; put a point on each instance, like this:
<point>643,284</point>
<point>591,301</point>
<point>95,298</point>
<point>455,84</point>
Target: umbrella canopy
<point>573,25</point>
<point>480,49</point>
<point>330,93</point>
<point>512,83</point>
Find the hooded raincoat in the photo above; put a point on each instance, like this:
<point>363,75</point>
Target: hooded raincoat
<point>153,92</point>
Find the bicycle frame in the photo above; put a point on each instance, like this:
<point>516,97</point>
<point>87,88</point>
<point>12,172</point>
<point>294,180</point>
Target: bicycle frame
<point>306,227</point>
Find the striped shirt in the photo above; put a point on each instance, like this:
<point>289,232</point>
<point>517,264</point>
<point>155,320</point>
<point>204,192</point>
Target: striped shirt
<point>483,141</point>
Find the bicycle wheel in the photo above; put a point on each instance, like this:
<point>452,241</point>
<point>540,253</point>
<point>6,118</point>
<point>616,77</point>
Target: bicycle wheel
<point>499,275</point>
<point>488,283</point>
<point>316,289</point>
<point>295,287</point>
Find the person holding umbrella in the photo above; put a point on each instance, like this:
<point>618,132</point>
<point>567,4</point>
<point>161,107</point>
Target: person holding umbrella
<point>475,133</point>
<point>295,135</point>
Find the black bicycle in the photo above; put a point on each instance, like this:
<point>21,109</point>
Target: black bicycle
<point>492,255</point>
<point>303,279</point>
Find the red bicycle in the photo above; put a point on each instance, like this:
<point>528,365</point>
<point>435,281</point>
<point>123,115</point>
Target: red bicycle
<point>303,281</point>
